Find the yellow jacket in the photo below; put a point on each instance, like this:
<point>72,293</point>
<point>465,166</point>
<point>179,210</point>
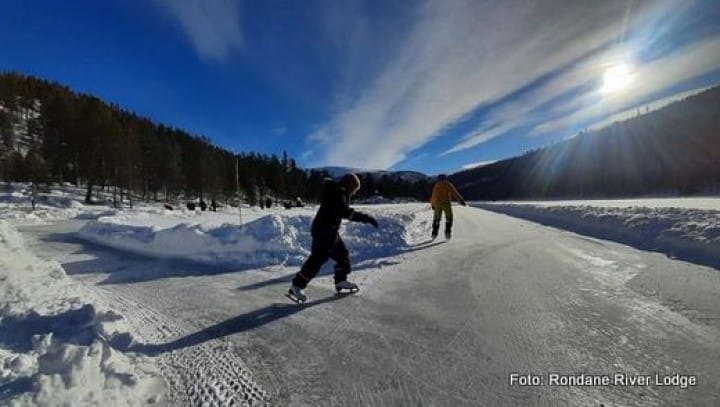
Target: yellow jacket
<point>443,193</point>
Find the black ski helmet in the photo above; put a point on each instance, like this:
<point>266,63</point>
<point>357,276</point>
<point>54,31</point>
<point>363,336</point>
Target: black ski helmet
<point>350,182</point>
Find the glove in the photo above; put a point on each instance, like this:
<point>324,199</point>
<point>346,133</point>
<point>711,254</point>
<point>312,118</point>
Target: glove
<point>365,218</point>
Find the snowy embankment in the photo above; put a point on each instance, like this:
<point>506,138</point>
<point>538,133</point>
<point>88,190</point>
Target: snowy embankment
<point>57,203</point>
<point>271,239</point>
<point>680,232</point>
<point>57,340</point>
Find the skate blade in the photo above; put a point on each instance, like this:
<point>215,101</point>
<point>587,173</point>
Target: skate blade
<point>295,299</point>
<point>346,291</point>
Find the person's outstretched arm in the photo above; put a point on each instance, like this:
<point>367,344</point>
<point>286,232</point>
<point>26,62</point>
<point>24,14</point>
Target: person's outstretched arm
<point>341,206</point>
<point>457,195</point>
<point>363,218</point>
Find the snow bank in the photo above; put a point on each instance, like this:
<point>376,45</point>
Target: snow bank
<point>695,202</point>
<point>58,348</point>
<point>688,234</point>
<point>67,202</point>
<point>270,239</point>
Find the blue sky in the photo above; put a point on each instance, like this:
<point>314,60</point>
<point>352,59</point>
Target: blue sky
<point>433,85</point>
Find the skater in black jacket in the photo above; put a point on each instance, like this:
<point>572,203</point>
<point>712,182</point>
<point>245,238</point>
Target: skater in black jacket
<point>326,242</point>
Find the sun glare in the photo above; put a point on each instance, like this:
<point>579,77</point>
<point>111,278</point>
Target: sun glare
<point>616,79</point>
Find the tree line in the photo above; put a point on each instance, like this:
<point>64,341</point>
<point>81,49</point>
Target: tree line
<point>48,133</point>
<point>671,151</point>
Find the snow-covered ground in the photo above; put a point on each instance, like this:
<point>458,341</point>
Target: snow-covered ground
<point>186,308</point>
<point>58,338</point>
<point>277,238</point>
<point>706,203</point>
<point>82,331</point>
<point>57,204</point>
<point>688,229</point>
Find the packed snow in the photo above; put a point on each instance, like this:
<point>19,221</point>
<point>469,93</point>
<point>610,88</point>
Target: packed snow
<point>58,340</point>
<point>271,239</point>
<point>61,339</point>
<point>104,319</point>
<point>674,227</point>
<point>698,202</point>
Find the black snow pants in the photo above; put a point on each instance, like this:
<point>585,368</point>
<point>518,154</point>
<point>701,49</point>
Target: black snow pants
<point>325,245</point>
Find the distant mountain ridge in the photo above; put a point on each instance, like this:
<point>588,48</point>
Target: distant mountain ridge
<point>409,176</point>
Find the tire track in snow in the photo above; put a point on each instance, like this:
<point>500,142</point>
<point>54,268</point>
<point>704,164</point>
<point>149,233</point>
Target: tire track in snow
<point>209,373</point>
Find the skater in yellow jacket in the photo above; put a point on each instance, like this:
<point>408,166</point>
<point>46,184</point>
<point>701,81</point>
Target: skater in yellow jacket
<point>441,201</point>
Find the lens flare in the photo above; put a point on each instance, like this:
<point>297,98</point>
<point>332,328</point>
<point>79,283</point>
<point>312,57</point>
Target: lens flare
<point>616,79</point>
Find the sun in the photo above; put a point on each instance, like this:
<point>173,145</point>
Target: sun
<point>616,79</point>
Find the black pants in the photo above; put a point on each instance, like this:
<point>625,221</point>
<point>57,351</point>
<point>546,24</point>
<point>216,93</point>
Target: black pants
<point>325,246</point>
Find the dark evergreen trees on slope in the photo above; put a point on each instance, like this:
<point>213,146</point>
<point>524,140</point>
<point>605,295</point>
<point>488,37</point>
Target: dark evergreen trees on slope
<point>674,150</point>
<point>81,139</point>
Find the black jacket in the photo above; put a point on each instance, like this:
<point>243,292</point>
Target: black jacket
<point>334,207</point>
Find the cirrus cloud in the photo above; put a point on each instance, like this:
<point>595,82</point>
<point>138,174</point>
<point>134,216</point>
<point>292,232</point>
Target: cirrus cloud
<point>212,26</point>
<point>521,64</point>
<point>457,56</point>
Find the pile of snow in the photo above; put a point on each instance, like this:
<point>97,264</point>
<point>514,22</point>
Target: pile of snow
<point>267,240</point>
<point>158,217</point>
<point>684,233</point>
<point>695,202</point>
<point>58,343</point>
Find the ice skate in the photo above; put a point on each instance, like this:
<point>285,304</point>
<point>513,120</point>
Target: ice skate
<point>296,295</point>
<point>346,287</point>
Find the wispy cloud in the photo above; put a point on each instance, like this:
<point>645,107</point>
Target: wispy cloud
<point>486,133</point>
<point>457,56</point>
<point>562,118</point>
<point>462,56</point>
<point>477,164</point>
<point>306,154</point>
<point>527,109</point>
<point>213,26</point>
<point>691,62</point>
